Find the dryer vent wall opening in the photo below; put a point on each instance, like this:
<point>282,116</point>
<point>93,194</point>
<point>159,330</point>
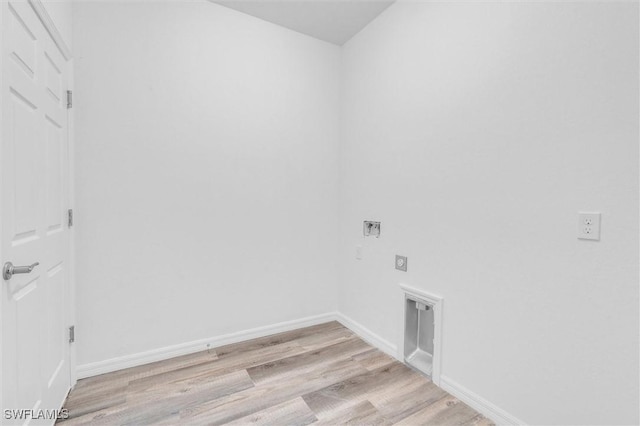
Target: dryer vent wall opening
<point>419,334</point>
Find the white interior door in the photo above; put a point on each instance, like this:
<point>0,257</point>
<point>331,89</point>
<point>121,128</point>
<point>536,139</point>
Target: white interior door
<point>33,205</point>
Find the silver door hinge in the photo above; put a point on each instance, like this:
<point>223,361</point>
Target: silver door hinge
<point>69,99</point>
<point>72,334</point>
<point>70,218</point>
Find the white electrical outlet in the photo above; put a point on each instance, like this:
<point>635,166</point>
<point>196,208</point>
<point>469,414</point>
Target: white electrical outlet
<point>589,226</point>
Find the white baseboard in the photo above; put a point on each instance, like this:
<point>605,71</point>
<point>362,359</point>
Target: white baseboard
<point>160,354</point>
<point>368,335</point>
<point>475,401</point>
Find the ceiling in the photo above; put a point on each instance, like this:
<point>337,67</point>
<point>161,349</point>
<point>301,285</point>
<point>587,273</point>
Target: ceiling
<point>335,21</point>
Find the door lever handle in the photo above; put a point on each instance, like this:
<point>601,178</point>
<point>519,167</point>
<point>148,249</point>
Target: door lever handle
<point>8,270</point>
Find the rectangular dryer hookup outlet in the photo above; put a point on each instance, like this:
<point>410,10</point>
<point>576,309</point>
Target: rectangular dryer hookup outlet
<point>371,229</point>
<point>401,263</point>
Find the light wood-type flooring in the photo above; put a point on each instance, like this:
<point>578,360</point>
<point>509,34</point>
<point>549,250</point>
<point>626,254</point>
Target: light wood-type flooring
<point>316,375</point>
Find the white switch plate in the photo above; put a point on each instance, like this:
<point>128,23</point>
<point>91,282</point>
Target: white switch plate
<point>359,250</point>
<point>589,226</point>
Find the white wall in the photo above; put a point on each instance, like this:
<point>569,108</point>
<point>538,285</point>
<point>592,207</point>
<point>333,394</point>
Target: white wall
<point>475,132</point>
<point>207,170</point>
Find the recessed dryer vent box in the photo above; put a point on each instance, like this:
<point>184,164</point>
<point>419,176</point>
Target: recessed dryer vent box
<point>419,333</point>
<point>422,331</point>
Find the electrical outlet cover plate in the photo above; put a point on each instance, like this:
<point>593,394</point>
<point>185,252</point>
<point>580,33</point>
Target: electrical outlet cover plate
<point>401,263</point>
<point>589,226</point>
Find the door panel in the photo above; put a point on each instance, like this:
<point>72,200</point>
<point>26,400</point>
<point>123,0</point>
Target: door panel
<point>25,121</point>
<point>33,205</point>
<point>54,185</point>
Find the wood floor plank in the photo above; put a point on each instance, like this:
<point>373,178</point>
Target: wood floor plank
<point>325,338</point>
<point>78,404</point>
<point>373,359</point>
<point>362,413</point>
<point>252,400</point>
<point>457,414</point>
<point>116,379</point>
<point>276,339</point>
<point>167,400</point>
<point>221,366</point>
<point>294,412</point>
<point>356,388</point>
<point>316,375</point>
<point>398,402</point>
<point>214,385</point>
<point>481,420</point>
<point>446,411</point>
<point>281,369</point>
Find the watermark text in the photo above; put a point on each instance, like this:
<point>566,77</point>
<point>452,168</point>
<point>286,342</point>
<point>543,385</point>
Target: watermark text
<point>31,414</point>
